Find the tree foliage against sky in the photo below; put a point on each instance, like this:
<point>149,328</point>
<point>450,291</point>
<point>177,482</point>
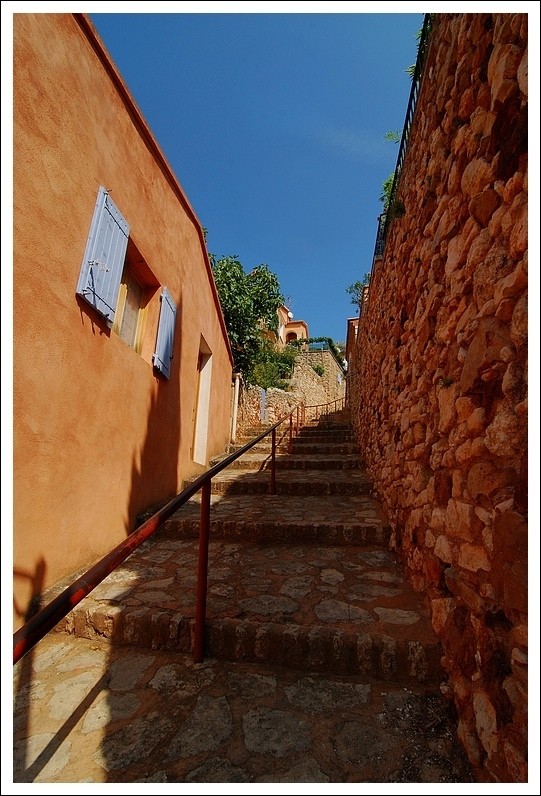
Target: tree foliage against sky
<point>356,290</point>
<point>250,304</point>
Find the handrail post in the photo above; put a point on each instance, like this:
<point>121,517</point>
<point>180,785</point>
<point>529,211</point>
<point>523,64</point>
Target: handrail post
<point>273,463</point>
<point>27,636</point>
<point>202,572</point>
<point>290,432</point>
<point>297,426</point>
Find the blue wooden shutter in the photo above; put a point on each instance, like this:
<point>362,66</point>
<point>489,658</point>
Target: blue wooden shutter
<point>103,261</point>
<point>166,333</point>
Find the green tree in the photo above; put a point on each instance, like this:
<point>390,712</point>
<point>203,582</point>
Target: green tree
<point>272,367</point>
<point>385,195</point>
<point>249,303</point>
<point>356,290</point>
<point>410,70</point>
<point>266,295</point>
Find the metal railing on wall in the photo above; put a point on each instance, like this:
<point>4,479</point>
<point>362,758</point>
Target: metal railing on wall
<point>385,218</point>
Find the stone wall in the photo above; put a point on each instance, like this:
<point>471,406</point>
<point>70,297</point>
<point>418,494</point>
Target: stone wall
<point>306,388</point>
<point>438,380</point>
<point>328,387</point>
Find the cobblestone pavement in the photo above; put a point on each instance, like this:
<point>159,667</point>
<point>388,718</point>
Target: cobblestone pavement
<point>336,608</point>
<point>87,711</point>
<point>321,664</point>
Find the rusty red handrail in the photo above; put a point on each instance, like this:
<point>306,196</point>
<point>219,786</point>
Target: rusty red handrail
<point>44,620</point>
<point>338,403</point>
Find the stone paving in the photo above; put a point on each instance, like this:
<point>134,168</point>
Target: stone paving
<point>89,711</point>
<point>343,609</point>
<point>320,661</point>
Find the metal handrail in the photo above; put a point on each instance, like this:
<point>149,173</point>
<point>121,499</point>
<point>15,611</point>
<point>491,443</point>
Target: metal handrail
<point>385,218</point>
<point>337,404</point>
<point>44,620</point>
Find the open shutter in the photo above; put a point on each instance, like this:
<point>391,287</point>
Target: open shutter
<point>166,333</point>
<point>103,261</point>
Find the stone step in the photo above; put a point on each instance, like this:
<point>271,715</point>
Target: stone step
<point>250,433</point>
<point>326,422</point>
<point>90,711</point>
<point>305,434</point>
<point>290,482</point>
<point>340,610</point>
<point>261,447</point>
<point>317,435</point>
<point>356,520</point>
<point>298,446</point>
<point>263,460</point>
<point>306,446</point>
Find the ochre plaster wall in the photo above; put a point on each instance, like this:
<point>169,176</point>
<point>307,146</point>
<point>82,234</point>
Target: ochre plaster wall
<point>97,435</point>
<point>438,381</point>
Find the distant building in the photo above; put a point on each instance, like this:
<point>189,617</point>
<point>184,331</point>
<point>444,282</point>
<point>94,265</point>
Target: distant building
<point>288,329</point>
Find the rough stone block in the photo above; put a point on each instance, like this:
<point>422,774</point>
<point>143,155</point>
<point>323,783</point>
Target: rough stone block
<point>461,521</point>
<point>515,585</point>
<point>486,721</point>
<point>473,558</point>
<point>484,349</point>
<point>483,205</point>
<point>477,176</point>
<point>443,549</point>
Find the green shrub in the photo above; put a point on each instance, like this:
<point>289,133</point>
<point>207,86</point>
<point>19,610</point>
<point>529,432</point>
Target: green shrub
<point>273,367</point>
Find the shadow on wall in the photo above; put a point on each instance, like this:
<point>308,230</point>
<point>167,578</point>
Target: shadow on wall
<point>22,688</point>
<point>157,463</point>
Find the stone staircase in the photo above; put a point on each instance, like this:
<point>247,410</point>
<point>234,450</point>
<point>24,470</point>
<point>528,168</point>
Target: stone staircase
<point>301,579</point>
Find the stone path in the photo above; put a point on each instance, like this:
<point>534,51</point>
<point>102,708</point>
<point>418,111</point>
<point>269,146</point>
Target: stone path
<point>321,664</point>
<point>88,711</point>
<point>338,609</point>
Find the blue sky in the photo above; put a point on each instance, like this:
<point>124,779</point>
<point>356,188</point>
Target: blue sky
<point>274,124</point>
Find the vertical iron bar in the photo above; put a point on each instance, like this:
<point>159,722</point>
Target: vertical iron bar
<point>291,432</point>
<point>202,571</point>
<point>297,426</point>
<point>273,463</point>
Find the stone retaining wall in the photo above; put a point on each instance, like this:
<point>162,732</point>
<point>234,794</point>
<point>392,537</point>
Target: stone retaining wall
<point>438,380</point>
<point>305,387</point>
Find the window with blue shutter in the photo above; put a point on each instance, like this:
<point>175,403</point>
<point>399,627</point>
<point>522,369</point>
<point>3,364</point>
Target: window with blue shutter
<point>103,261</point>
<point>166,333</point>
